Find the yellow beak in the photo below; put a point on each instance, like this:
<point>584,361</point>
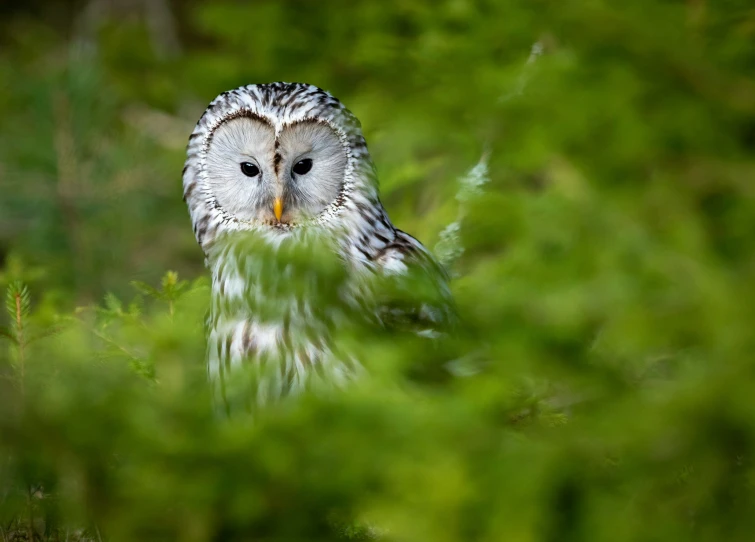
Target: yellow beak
<point>278,208</point>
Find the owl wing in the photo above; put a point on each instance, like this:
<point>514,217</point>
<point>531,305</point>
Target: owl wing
<point>414,292</point>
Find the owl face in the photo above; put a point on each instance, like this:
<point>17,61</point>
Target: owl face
<point>275,178</point>
<point>270,157</point>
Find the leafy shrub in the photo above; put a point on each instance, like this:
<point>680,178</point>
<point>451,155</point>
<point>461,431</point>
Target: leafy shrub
<point>599,387</point>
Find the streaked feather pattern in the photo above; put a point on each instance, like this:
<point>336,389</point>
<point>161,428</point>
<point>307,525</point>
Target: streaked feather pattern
<point>276,311</point>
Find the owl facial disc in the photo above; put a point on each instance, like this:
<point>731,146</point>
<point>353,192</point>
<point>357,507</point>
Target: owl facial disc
<point>271,157</point>
<point>274,174</point>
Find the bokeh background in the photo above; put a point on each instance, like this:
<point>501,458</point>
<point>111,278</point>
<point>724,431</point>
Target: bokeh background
<point>586,169</point>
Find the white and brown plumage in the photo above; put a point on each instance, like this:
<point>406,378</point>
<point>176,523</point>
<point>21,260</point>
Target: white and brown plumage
<point>287,163</point>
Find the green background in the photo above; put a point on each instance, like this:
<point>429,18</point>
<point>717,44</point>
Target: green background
<point>605,389</point>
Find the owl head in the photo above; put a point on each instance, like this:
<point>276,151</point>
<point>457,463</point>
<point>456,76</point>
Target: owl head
<point>275,157</point>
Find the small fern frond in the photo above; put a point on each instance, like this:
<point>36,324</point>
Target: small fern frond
<point>146,289</point>
<point>172,287</point>
<point>112,303</point>
<point>18,304</point>
<point>450,246</point>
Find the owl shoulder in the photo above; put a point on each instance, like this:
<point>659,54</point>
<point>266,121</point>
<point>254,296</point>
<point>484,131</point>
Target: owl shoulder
<point>406,254</point>
<point>423,280</point>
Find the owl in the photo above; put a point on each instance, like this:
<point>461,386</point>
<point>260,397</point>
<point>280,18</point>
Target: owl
<point>274,171</point>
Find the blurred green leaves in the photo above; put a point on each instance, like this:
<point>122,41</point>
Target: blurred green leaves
<point>599,385</point>
<point>170,291</point>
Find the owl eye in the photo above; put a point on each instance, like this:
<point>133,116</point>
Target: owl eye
<point>249,169</point>
<point>302,167</point>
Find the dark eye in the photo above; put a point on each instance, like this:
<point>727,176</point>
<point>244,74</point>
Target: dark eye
<point>302,167</point>
<point>249,169</point>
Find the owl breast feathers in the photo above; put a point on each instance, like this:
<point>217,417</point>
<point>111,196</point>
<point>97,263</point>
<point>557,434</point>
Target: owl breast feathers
<point>279,170</point>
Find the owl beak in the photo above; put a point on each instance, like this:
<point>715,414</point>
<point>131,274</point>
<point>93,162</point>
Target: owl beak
<point>278,208</point>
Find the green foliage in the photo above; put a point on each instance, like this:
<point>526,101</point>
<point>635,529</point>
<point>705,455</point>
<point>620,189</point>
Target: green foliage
<point>17,305</point>
<point>595,203</point>
<point>170,291</point>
